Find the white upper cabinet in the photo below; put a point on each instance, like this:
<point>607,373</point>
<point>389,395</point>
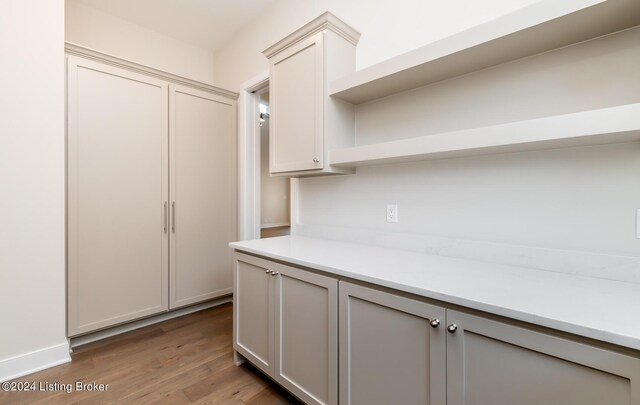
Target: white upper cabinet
<point>305,122</point>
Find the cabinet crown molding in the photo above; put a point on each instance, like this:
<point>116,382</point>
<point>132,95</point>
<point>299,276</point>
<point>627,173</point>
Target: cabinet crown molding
<point>324,21</point>
<point>71,48</point>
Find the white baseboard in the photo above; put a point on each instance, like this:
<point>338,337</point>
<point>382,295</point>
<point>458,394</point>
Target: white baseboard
<point>28,363</point>
<point>116,330</point>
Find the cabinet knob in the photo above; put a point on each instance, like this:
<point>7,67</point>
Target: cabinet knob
<point>452,328</point>
<point>316,160</point>
<point>267,271</point>
<point>434,323</point>
<point>274,273</point>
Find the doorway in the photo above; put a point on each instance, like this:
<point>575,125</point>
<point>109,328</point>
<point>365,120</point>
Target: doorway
<point>275,218</point>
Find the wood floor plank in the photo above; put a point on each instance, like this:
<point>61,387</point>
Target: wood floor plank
<point>274,396</point>
<point>186,360</point>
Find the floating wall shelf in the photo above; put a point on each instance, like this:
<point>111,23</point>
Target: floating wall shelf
<point>540,27</point>
<point>594,127</point>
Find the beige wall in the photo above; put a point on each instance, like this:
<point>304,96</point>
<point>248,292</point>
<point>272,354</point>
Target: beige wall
<point>32,268</point>
<point>98,30</point>
<point>388,28</point>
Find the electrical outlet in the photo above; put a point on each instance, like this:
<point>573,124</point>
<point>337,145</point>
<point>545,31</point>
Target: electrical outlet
<point>392,213</point>
<point>638,223</point>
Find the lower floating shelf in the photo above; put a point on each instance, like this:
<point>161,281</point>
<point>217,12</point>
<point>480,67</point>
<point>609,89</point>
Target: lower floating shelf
<point>594,127</point>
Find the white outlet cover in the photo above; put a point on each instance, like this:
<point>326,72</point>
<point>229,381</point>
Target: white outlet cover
<point>638,223</point>
<point>392,213</point>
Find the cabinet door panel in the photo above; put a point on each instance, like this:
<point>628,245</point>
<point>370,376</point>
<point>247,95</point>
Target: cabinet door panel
<point>306,335</point>
<point>117,186</point>
<point>203,188</point>
<point>389,353</point>
<point>296,108</point>
<point>253,311</point>
<point>493,363</point>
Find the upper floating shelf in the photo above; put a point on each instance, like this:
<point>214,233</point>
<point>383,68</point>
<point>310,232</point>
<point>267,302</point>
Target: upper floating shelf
<point>593,127</point>
<point>540,27</point>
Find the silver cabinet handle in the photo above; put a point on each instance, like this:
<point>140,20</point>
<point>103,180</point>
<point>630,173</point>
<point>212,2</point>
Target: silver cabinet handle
<point>173,217</point>
<point>166,220</point>
<point>274,273</point>
<point>267,271</point>
<point>316,160</point>
<point>452,328</point>
<point>434,323</point>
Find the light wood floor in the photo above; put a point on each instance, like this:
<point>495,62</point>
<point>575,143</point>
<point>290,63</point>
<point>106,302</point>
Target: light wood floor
<point>273,232</point>
<point>186,360</point>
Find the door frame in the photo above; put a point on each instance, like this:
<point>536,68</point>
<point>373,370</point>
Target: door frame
<point>249,161</point>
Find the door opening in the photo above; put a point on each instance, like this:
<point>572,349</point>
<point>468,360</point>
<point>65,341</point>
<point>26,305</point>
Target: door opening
<point>274,190</point>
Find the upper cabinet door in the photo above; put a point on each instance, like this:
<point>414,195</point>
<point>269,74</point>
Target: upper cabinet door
<point>117,190</point>
<point>494,363</point>
<point>296,92</point>
<point>202,129</point>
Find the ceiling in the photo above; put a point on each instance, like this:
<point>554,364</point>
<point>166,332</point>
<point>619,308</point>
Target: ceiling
<point>204,23</point>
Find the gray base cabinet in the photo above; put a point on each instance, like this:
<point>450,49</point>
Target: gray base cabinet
<point>393,349</point>
<point>286,324</point>
<point>253,311</point>
<point>494,363</point>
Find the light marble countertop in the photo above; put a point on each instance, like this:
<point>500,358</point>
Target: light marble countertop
<point>596,308</point>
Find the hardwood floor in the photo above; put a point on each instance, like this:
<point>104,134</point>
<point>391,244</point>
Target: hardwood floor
<point>186,360</point>
<point>273,232</point>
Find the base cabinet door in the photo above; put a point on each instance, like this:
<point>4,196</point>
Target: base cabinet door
<point>253,311</point>
<point>306,330</point>
<point>392,349</point>
<point>494,363</point>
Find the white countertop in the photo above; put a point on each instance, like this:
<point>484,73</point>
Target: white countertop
<point>600,309</point>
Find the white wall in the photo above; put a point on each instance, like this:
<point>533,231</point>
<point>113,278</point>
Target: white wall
<point>98,30</point>
<point>571,200</point>
<point>577,199</point>
<point>388,28</point>
<point>32,173</point>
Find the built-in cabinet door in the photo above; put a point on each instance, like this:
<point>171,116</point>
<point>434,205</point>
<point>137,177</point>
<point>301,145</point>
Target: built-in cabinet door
<point>392,349</point>
<point>117,195</point>
<point>306,334</point>
<point>202,195</point>
<point>253,311</point>
<point>494,363</point>
<point>296,94</point>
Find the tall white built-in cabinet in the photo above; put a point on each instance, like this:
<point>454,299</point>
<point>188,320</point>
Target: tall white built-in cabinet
<point>151,169</point>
